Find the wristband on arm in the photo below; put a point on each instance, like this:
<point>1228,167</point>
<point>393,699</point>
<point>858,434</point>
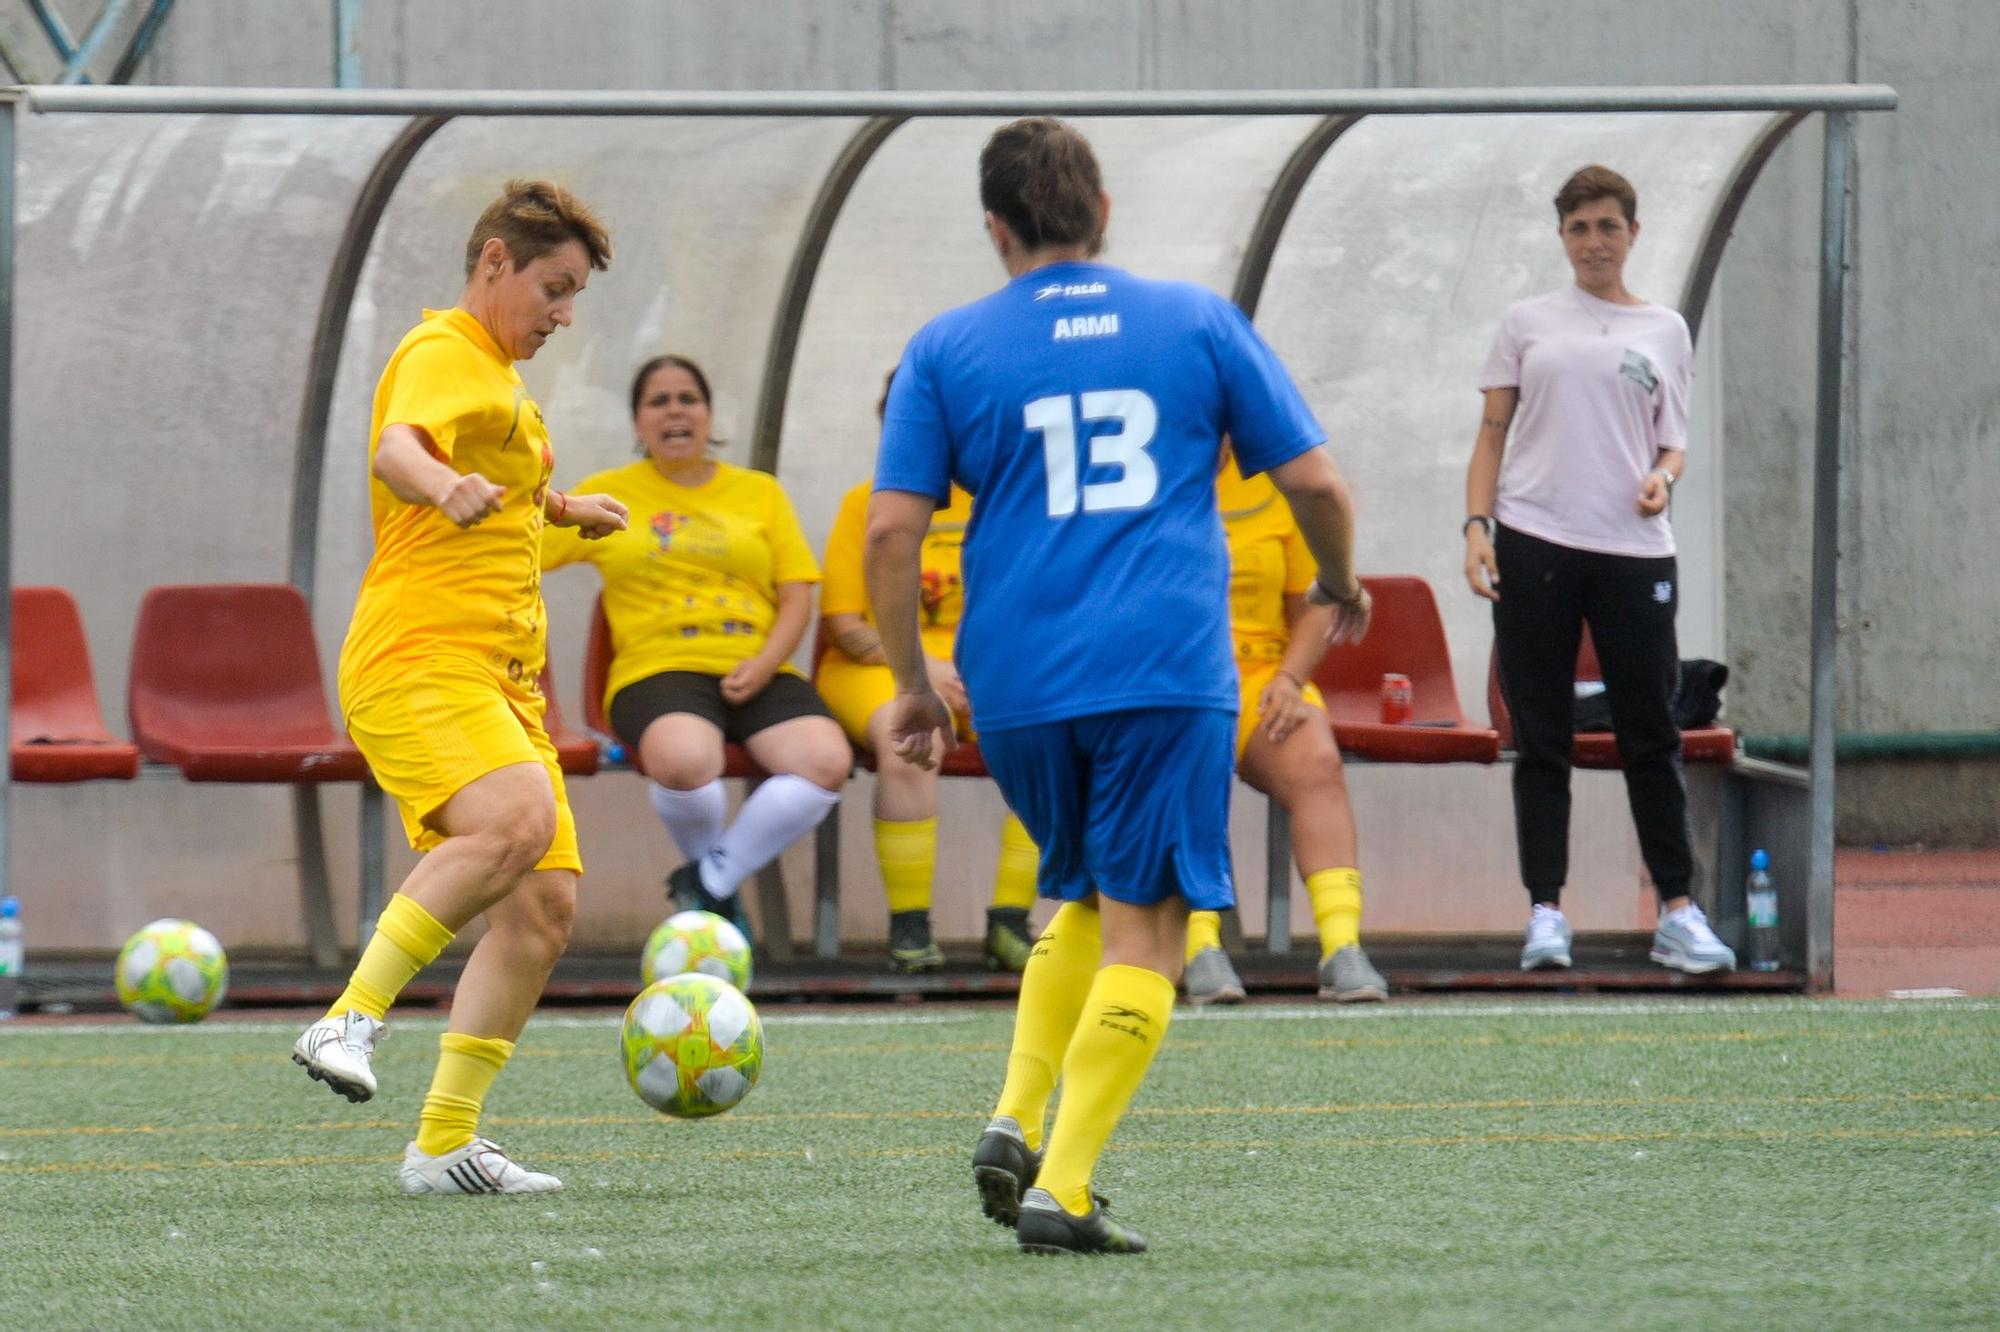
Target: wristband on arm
<point>1319,594</point>
<point>1485,522</point>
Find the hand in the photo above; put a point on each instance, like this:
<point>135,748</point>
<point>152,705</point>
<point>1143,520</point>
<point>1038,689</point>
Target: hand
<point>747,681</point>
<point>593,516</point>
<point>1654,494</point>
<point>1482,570</point>
<point>1281,708</point>
<point>944,679</point>
<point>1350,618</point>
<point>469,499</point>
<point>916,722</point>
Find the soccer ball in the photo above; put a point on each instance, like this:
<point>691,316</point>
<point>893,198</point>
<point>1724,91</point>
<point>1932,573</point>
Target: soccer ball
<point>692,1045</point>
<point>172,971</point>
<point>697,941</point>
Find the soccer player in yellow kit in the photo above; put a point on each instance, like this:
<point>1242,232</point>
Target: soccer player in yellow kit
<point>855,680</point>
<point>1284,745</point>
<point>438,679</point>
<point>708,596</point>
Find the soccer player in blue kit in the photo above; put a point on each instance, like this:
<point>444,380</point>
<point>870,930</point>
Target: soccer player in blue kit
<point>1083,407</point>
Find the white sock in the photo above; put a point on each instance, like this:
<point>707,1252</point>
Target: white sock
<point>693,818</point>
<point>780,811</point>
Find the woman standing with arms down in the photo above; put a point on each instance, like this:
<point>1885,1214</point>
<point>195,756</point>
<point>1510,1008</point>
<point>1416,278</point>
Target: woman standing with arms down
<point>438,679</point>
<point>1569,527</point>
<point>1080,406</point>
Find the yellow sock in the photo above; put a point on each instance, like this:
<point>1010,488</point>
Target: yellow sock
<point>1336,899</point>
<point>1124,1020</point>
<point>407,938</point>
<point>466,1068</point>
<point>907,853</point>
<point>1204,931</point>
<point>1053,988</point>
<point>1020,865</point>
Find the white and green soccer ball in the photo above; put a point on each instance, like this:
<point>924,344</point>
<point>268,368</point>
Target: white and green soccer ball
<point>697,941</point>
<point>172,971</point>
<point>692,1045</point>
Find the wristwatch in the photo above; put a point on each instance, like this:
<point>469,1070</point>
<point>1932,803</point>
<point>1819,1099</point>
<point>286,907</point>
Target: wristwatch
<point>1484,520</point>
<point>1319,594</point>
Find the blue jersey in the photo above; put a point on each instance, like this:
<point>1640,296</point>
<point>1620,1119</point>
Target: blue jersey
<point>1083,408</point>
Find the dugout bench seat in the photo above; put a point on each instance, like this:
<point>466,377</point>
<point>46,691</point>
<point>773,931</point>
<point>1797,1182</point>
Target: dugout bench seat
<point>56,731</point>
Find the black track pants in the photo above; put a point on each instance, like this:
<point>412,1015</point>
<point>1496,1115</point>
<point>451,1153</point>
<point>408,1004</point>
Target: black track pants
<point>1547,593</point>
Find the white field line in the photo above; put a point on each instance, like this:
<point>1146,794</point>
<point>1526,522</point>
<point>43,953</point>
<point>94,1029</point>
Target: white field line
<point>1406,1012</point>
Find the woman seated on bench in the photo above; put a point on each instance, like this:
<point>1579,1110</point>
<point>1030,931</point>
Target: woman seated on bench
<point>854,678</point>
<point>1284,743</point>
<point>708,593</point>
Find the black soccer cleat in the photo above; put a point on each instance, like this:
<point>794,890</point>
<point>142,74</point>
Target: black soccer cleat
<point>1004,1169</point>
<point>1046,1227</point>
<point>688,893</point>
<point>912,950</point>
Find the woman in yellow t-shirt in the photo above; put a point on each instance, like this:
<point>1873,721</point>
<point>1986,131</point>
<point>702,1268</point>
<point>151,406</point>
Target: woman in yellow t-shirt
<point>1284,743</point>
<point>708,594</point>
<point>438,678</point>
<point>854,677</point>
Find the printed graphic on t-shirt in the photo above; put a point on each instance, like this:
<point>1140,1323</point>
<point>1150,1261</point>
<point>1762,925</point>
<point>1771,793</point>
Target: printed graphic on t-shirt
<point>1639,370</point>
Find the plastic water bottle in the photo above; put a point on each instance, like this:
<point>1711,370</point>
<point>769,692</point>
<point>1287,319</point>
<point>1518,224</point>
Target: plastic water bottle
<point>1760,903</point>
<point>10,957</point>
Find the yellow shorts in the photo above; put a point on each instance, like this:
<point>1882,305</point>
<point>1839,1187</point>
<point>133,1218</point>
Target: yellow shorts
<point>441,726</point>
<point>854,692</point>
<point>1254,676</point>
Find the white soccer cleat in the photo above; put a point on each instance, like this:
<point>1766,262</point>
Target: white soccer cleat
<point>340,1052</point>
<point>477,1167</point>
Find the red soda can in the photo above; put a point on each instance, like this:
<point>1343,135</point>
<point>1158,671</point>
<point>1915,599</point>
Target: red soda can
<point>1398,699</point>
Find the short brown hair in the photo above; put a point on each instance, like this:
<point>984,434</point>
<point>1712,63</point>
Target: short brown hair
<point>1039,177</point>
<point>532,217</point>
<point>1593,183</point>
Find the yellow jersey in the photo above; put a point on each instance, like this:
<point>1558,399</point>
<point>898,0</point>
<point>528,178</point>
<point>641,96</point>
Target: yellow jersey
<point>1268,558</point>
<point>692,583</point>
<point>433,588</point>
<point>845,592</point>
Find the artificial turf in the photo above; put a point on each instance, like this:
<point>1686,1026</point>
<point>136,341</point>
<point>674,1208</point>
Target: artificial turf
<point>1748,1163</point>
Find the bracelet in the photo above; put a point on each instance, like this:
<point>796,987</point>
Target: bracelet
<point>1665,476</point>
<point>1296,682</point>
<point>1319,594</point>
<point>1485,522</point>
<point>561,508</point>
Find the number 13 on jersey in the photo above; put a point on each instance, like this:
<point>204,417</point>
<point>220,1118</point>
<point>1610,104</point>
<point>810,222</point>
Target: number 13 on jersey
<point>1137,419</point>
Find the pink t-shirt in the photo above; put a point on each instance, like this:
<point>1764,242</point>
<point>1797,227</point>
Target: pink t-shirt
<point>1604,387</point>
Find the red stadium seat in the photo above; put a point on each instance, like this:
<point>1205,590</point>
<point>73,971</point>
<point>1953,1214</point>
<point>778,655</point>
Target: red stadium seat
<point>1405,637</point>
<point>1599,749</point>
<point>576,755</point>
<point>736,760</point>
<point>226,687</point>
<point>57,733</point>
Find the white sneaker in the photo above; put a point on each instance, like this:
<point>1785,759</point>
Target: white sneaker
<point>1685,942</point>
<point>339,1051</point>
<point>1548,939</point>
<point>477,1167</point>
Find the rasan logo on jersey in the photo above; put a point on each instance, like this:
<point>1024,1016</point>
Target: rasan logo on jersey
<point>1070,289</point>
<point>1086,326</point>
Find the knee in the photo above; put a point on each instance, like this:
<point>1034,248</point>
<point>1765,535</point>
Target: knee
<point>543,929</point>
<point>683,768</point>
<point>829,765</point>
<point>524,835</point>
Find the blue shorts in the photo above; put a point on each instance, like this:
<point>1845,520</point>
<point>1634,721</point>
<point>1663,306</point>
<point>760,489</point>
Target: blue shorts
<point>1134,805</point>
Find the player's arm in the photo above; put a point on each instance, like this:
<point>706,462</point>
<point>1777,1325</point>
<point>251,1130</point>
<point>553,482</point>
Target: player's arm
<point>1282,708</point>
<point>405,463</point>
<point>856,639</point>
<point>593,516</point>
<point>1482,487</point>
<point>892,564</point>
<point>788,626</point>
<point>1324,510</point>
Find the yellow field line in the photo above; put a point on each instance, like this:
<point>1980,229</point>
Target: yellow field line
<point>708,1155</point>
<point>1231,1042</point>
<point>1139,1112</point>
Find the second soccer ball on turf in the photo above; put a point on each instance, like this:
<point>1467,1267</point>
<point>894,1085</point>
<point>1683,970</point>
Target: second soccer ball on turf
<point>172,971</point>
<point>692,1046</point>
<point>697,941</point>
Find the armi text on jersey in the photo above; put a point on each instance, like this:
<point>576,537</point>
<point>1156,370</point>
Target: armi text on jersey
<point>1086,326</point>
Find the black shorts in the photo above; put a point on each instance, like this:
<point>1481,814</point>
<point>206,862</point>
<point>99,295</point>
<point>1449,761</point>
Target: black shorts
<point>643,702</point>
